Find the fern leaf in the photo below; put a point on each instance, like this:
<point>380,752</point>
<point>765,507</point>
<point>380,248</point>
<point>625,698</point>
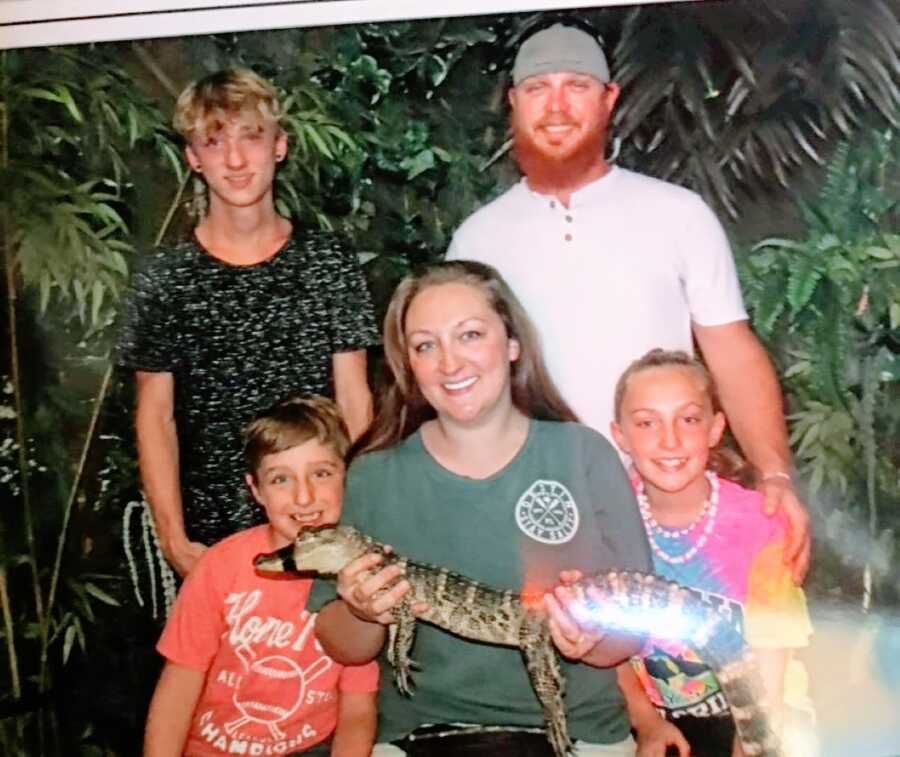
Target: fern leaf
<point>806,272</point>
<point>830,348</point>
<point>770,304</point>
<point>836,172</point>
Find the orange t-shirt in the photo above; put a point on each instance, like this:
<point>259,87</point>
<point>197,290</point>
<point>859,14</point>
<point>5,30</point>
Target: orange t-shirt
<point>269,689</point>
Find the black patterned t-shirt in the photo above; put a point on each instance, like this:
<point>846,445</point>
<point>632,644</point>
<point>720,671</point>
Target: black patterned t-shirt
<point>237,339</point>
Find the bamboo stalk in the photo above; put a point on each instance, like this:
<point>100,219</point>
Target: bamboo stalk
<point>870,388</point>
<point>145,57</point>
<point>172,208</point>
<point>88,443</point>
<point>10,638</point>
<point>73,492</point>
<point>16,374</point>
<point>869,380</point>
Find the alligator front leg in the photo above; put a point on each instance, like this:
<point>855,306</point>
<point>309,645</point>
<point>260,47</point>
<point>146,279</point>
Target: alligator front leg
<point>546,677</point>
<point>400,641</point>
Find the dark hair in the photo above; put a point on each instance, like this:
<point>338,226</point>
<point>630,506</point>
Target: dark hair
<point>723,459</point>
<point>402,408</point>
<point>291,422</point>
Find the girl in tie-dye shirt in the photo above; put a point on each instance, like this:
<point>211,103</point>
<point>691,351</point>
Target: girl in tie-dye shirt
<point>707,532</point>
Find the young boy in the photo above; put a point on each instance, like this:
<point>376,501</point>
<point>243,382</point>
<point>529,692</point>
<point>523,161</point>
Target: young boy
<point>251,309</point>
<point>244,672</point>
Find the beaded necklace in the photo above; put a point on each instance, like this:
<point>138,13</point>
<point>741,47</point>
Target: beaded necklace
<point>709,510</point>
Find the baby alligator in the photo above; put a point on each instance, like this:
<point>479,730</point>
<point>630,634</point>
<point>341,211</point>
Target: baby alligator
<point>631,602</point>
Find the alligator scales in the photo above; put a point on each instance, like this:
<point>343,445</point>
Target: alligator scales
<point>631,602</point>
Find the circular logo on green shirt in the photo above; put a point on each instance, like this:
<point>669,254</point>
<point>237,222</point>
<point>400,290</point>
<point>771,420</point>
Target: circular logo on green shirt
<point>547,513</point>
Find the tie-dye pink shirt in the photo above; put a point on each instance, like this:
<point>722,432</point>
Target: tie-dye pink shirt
<point>740,568</point>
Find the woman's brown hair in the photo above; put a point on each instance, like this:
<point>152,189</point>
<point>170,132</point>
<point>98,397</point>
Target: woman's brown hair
<point>402,408</point>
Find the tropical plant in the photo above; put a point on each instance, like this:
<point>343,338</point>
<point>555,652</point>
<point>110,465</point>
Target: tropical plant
<point>727,113</point>
<point>828,303</point>
<point>71,119</point>
<point>420,106</point>
<point>72,125</point>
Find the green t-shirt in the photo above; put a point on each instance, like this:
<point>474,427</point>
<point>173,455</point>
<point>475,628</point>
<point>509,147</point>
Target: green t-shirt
<point>563,502</point>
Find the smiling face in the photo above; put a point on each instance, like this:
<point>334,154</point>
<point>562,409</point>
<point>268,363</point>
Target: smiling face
<point>460,354</point>
<point>238,160</point>
<point>299,487</point>
<point>667,425</point>
<point>560,120</point>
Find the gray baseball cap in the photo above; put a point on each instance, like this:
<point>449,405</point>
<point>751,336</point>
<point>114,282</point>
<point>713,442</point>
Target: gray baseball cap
<point>560,48</point>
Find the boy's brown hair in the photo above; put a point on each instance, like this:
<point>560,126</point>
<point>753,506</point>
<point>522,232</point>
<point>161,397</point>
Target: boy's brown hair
<point>292,422</point>
<point>206,105</point>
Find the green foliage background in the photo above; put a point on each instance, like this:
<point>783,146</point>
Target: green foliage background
<point>782,114</point>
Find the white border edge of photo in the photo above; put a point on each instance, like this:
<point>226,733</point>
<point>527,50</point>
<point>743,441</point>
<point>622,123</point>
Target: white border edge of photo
<point>38,23</point>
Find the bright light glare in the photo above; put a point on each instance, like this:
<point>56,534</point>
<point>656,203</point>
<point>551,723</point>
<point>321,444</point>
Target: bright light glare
<point>663,622</point>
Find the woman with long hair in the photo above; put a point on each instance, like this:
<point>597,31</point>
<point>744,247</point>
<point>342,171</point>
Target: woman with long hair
<point>475,463</point>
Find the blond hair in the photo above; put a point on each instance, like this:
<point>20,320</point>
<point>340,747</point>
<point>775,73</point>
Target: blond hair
<point>722,459</point>
<point>206,105</point>
<point>403,408</point>
<point>292,422</point>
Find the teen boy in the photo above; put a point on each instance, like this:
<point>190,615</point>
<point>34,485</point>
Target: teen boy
<point>244,672</point>
<point>249,310</point>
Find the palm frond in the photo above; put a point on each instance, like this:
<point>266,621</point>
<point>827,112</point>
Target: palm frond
<point>700,103</point>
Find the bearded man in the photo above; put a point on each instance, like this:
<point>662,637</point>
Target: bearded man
<point>610,263</point>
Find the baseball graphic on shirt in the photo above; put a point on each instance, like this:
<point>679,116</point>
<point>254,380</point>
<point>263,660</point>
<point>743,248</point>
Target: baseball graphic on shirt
<point>547,512</point>
<point>272,691</point>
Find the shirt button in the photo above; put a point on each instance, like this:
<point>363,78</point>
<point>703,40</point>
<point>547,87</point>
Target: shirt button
<point>569,219</point>
<point>568,237</point>
<point>552,203</point>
